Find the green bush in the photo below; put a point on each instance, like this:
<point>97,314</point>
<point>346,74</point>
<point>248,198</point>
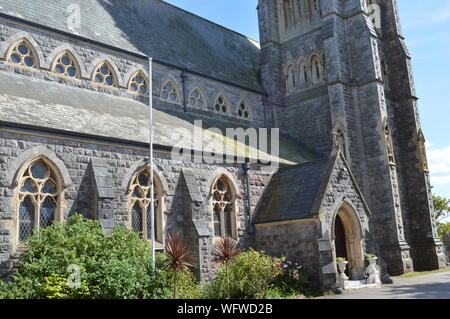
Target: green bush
<point>250,275</point>
<point>113,266</point>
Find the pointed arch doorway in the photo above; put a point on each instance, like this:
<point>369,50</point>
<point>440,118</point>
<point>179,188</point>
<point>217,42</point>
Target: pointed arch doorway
<point>348,241</point>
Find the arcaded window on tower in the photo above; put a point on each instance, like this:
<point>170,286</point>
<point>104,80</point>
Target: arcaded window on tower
<point>138,84</point>
<point>39,198</point>
<point>22,54</point>
<point>288,14</point>
<point>223,202</point>
<point>65,65</point>
<point>316,70</point>
<point>291,83</point>
<point>140,201</point>
<point>104,75</point>
<point>304,74</point>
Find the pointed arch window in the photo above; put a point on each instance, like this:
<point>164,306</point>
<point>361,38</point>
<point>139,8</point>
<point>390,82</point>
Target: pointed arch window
<point>65,65</point>
<point>316,69</point>
<point>104,75</point>
<point>288,12</point>
<point>22,54</point>
<point>39,198</point>
<point>196,98</point>
<point>221,105</point>
<point>169,93</point>
<point>304,73</point>
<point>244,110</point>
<point>291,79</point>
<point>223,202</point>
<point>140,214</point>
<point>138,84</point>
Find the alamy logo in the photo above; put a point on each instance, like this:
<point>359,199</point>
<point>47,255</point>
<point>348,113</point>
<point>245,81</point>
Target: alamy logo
<point>234,146</point>
<point>74,279</point>
<point>73,21</point>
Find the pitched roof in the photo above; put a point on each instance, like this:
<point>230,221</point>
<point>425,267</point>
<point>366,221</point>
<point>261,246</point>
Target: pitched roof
<point>49,105</point>
<point>153,28</point>
<point>291,193</point>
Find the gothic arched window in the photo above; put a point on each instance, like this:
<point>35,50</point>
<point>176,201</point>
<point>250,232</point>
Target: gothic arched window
<point>243,110</point>
<point>223,202</point>
<point>23,54</point>
<point>39,198</point>
<point>196,98</point>
<point>65,65</point>
<point>138,84</point>
<point>316,69</point>
<point>140,213</point>
<point>221,105</point>
<point>304,73</point>
<point>291,80</point>
<point>169,92</point>
<point>288,11</point>
<point>104,75</point>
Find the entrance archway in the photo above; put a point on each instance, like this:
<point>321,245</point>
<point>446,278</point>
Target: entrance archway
<point>347,238</point>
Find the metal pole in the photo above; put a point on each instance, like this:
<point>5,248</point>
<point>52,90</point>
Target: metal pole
<point>152,206</point>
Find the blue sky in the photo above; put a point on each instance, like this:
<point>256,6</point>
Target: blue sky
<point>426,26</point>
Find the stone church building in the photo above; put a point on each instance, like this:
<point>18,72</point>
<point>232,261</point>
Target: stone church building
<point>353,176</point>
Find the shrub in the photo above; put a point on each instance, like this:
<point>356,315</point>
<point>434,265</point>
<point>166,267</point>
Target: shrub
<point>113,266</point>
<point>250,275</point>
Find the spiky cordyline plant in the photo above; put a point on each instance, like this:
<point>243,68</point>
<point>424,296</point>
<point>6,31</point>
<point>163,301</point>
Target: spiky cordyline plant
<point>225,251</point>
<point>180,258</point>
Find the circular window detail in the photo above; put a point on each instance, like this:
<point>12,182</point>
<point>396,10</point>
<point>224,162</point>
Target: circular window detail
<point>197,99</point>
<point>104,75</point>
<point>22,54</point>
<point>243,110</point>
<point>66,66</point>
<point>138,84</point>
<point>221,105</point>
<point>169,93</point>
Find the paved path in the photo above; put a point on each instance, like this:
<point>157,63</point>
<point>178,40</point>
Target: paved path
<point>433,286</point>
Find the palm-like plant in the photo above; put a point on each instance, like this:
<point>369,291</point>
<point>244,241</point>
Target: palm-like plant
<point>225,251</point>
<point>180,258</point>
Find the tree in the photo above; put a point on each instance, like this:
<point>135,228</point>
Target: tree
<point>179,258</point>
<point>225,252</point>
<point>442,212</point>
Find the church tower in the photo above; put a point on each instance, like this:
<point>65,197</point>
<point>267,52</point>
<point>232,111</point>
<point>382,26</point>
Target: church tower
<point>337,74</point>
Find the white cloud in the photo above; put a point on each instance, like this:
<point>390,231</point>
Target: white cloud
<point>439,163</point>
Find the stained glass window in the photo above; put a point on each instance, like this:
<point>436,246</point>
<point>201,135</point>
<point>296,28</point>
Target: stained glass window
<point>38,198</point>
<point>141,212</point>
<point>169,92</point>
<point>197,99</point>
<point>223,208</point>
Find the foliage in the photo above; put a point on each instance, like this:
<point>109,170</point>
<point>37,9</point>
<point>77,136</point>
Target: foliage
<point>442,211</point>
<point>291,283</point>
<point>441,207</point>
<point>114,266</point>
<point>341,260</point>
<point>179,258</point>
<point>250,274</point>
<point>225,251</point>
<point>369,256</point>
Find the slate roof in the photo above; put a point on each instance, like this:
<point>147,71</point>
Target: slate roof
<point>40,103</point>
<point>291,193</point>
<point>153,28</point>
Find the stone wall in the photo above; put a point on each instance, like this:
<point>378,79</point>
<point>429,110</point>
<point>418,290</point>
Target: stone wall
<point>295,240</point>
<point>75,157</point>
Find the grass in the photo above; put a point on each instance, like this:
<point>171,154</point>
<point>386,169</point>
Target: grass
<point>423,273</point>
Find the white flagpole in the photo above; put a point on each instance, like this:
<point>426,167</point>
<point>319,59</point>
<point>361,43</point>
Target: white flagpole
<point>152,206</point>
